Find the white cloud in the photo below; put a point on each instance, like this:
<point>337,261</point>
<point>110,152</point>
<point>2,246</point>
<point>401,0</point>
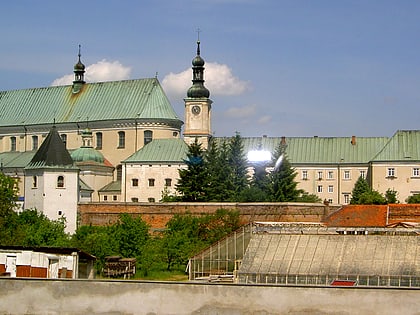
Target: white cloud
<point>264,120</point>
<point>242,112</point>
<point>99,72</point>
<point>218,79</point>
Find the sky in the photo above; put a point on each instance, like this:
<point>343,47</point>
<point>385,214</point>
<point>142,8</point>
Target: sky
<point>289,68</point>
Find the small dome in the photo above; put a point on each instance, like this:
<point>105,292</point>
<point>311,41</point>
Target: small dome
<point>198,61</point>
<point>79,66</point>
<point>197,91</point>
<point>85,154</point>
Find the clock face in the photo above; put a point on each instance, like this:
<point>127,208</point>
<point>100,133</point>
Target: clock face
<point>196,109</point>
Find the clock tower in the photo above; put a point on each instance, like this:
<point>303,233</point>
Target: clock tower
<point>198,106</point>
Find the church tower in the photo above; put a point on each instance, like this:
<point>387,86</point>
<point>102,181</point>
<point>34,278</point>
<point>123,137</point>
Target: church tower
<point>198,106</point>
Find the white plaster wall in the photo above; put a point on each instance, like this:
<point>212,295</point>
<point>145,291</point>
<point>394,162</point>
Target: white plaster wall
<point>36,296</point>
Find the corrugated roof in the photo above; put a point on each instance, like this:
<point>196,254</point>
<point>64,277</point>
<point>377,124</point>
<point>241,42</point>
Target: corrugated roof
<point>114,186</point>
<point>16,159</point>
<point>286,254</point>
<point>328,150</point>
<point>403,146</point>
<point>143,99</point>
<point>160,151</point>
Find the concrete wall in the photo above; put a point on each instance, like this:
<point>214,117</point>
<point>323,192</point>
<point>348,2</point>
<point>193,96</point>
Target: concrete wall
<point>158,214</point>
<point>63,297</point>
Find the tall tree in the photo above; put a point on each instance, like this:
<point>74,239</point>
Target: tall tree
<point>193,181</point>
<point>8,194</point>
<point>360,187</point>
<point>219,186</point>
<point>237,163</point>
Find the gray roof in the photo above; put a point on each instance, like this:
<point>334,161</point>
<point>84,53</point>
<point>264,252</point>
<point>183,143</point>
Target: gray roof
<point>332,254</point>
<point>142,99</point>
<point>52,153</point>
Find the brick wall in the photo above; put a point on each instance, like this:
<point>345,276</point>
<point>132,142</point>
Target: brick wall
<point>158,214</point>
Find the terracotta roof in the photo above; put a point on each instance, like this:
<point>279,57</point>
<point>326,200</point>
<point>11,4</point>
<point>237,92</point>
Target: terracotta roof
<point>359,216</point>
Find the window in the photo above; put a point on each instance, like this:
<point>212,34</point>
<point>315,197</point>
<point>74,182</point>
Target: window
<point>134,199</point>
<point>64,139</point>
<point>34,182</point>
<point>391,172</point>
<point>34,143</point>
<point>60,181</point>
<point>319,188</point>
<point>168,182</point>
<point>99,140</point>
<point>60,212</point>
<point>114,198</point>
<point>330,201</point>
<point>151,199</point>
<point>148,136</point>
<point>305,175</point>
<point>151,182</point>
<point>416,172</point>
<point>346,198</point>
<point>134,182</point>
<point>121,139</point>
<point>319,175</point>
<point>13,144</point>
<point>330,188</point>
<point>330,174</point>
<point>363,174</point>
<point>346,174</point>
<point>105,198</point>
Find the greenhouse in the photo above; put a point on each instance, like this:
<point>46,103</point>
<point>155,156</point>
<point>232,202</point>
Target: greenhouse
<point>312,254</point>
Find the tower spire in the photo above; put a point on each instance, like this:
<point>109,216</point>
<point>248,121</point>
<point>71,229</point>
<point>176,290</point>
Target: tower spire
<point>198,90</point>
<point>79,72</point>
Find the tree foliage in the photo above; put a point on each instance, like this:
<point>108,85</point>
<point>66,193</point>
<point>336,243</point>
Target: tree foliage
<point>192,183</point>
<point>413,198</point>
<point>8,194</point>
<point>360,187</point>
<point>362,194</point>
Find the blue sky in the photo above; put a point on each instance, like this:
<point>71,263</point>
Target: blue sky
<point>277,68</point>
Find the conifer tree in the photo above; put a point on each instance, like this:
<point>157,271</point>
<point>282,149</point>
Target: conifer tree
<point>219,186</point>
<point>237,163</point>
<point>360,187</point>
<point>193,181</point>
<point>283,187</point>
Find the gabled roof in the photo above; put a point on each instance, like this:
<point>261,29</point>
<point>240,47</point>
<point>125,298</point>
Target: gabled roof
<point>316,150</point>
<point>16,159</point>
<point>142,99</point>
<point>52,153</point>
<point>161,151</point>
<point>403,146</point>
<point>114,186</point>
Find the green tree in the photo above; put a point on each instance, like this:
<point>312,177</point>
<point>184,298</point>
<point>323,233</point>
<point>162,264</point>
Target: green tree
<point>219,187</point>
<point>413,198</point>
<point>8,195</point>
<point>192,183</point>
<point>372,197</point>
<point>360,187</point>
<point>309,198</point>
<point>283,187</point>
<point>391,196</point>
<point>237,163</point>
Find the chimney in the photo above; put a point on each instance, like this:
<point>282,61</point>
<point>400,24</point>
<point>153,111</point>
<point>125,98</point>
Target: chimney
<point>283,140</point>
<point>353,140</point>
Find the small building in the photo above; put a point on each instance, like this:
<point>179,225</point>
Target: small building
<point>46,262</point>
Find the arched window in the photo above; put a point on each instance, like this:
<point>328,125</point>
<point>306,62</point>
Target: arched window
<point>148,136</point>
<point>99,140</point>
<point>34,143</point>
<point>64,139</point>
<point>13,144</point>
<point>121,139</point>
<point>60,181</point>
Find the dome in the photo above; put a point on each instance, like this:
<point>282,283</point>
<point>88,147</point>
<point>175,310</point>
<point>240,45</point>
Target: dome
<point>197,91</point>
<point>79,66</point>
<point>85,154</point>
<point>198,61</point>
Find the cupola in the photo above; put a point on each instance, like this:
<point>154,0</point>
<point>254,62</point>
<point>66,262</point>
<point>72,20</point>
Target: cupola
<point>198,90</point>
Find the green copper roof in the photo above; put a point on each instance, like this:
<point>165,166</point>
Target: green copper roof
<point>16,159</point>
<point>143,99</point>
<point>84,154</point>
<point>319,150</point>
<point>160,151</point>
<point>403,146</point>
<point>114,186</point>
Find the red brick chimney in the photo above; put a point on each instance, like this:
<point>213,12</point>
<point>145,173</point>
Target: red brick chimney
<point>353,140</point>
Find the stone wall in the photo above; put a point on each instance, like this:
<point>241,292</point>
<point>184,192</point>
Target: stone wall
<point>158,214</point>
<point>71,297</point>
